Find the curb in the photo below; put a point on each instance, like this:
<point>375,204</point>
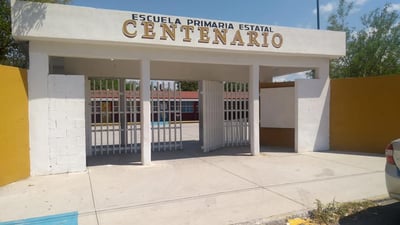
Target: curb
<point>282,219</point>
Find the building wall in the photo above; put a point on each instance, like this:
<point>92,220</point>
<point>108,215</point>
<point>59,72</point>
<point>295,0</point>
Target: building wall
<point>310,131</point>
<point>14,136</point>
<point>313,132</point>
<point>312,111</point>
<point>277,114</point>
<point>56,119</point>
<point>67,140</point>
<point>277,109</point>
<point>38,112</point>
<point>364,113</point>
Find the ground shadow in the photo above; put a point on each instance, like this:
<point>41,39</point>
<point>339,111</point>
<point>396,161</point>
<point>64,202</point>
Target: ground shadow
<point>266,148</point>
<point>135,158</point>
<point>353,153</point>
<point>387,214</point>
<point>191,149</point>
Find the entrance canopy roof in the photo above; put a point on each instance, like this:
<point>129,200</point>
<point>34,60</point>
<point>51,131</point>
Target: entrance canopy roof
<point>72,24</point>
<point>164,70</point>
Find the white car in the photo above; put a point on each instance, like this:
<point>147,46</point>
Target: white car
<point>392,169</point>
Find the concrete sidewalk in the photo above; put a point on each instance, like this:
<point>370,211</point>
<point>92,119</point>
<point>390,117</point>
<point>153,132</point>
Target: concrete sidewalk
<point>189,187</point>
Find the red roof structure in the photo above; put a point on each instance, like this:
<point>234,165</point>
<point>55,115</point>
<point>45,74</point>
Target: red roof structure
<point>187,95</point>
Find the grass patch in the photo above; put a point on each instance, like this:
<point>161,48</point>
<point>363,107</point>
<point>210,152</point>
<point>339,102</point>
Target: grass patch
<point>331,213</point>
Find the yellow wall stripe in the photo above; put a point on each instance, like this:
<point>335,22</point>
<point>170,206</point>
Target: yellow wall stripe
<point>14,137</point>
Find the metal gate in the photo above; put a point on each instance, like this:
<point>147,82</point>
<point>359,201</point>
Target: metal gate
<point>236,114</point>
<point>166,116</point>
<point>115,116</point>
<point>212,121</point>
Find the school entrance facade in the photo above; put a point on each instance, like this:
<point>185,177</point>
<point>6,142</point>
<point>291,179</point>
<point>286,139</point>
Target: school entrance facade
<point>97,82</point>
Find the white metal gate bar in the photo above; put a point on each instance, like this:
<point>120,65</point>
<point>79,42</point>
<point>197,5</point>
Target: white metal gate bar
<point>212,122</point>
<point>105,104</point>
<point>114,124</point>
<point>115,115</point>
<point>236,130</point>
<point>166,116</point>
<point>132,109</point>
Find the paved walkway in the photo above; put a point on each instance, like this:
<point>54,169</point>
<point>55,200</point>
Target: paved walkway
<point>190,187</point>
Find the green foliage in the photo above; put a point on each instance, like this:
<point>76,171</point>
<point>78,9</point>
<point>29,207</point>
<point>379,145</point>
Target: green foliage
<point>104,84</point>
<point>331,213</point>
<point>377,46</point>
<point>14,53</point>
<point>326,214</point>
<point>194,86</point>
<point>234,87</point>
<point>310,74</point>
<point>371,51</point>
<point>337,22</point>
<point>188,85</point>
<point>132,85</point>
<point>6,40</point>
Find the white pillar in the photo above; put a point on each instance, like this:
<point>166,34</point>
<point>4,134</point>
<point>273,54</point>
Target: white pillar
<point>145,111</point>
<point>254,109</point>
<point>88,117</point>
<point>312,129</point>
<point>38,113</point>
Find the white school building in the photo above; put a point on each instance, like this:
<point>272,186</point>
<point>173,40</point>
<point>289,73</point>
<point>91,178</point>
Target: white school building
<point>80,58</point>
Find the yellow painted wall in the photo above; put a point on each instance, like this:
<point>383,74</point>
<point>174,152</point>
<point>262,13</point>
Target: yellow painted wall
<point>364,113</point>
<point>14,137</point>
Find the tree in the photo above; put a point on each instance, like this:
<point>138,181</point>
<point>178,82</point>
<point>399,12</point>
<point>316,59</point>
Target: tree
<point>14,53</point>
<point>235,87</point>
<point>6,40</point>
<point>371,51</point>
<point>188,85</point>
<point>310,74</point>
<point>375,50</point>
<point>337,22</point>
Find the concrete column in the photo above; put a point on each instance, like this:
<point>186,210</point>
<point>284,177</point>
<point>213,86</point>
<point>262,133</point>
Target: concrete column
<point>38,113</point>
<point>312,129</point>
<point>88,117</point>
<point>201,112</point>
<point>145,111</point>
<point>254,109</point>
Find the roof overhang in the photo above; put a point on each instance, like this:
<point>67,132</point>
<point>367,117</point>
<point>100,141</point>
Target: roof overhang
<point>66,23</point>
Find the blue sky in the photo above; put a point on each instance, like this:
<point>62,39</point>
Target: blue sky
<point>292,13</point>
